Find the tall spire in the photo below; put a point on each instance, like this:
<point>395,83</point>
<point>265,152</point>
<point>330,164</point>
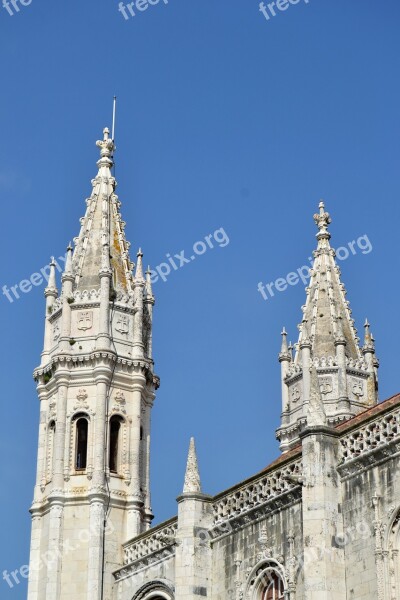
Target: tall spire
<point>327,314</point>
<point>192,476</point>
<point>102,225</point>
<point>328,353</point>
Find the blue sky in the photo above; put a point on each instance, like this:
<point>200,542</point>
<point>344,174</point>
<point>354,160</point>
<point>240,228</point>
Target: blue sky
<point>224,120</point>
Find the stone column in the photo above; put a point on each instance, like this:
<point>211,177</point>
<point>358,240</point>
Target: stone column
<point>62,378</point>
<point>97,501</point>
<point>193,558</point>
<point>193,548</point>
<point>53,555</point>
<point>97,493</point>
<point>50,294</point>
<point>103,338</point>
<point>343,402</point>
<point>135,501</point>
<point>146,458</point>
<point>324,567</point>
<point>305,349</point>
<point>35,554</point>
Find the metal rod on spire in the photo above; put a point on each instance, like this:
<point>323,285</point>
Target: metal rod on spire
<point>113,119</point>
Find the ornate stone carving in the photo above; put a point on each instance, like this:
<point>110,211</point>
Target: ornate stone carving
<point>357,389</point>
<point>85,320</point>
<point>119,405</point>
<point>326,385</point>
<point>81,400</point>
<point>376,434</point>
<point>259,493</point>
<point>158,540</point>
<point>295,394</point>
<point>122,324</point>
<point>56,330</point>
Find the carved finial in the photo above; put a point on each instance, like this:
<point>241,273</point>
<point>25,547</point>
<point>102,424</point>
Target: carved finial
<point>284,353</point>
<point>322,220</point>
<point>107,148</point>
<point>139,266</point>
<point>369,345</point>
<point>68,262</point>
<point>192,477</point>
<point>51,288</point>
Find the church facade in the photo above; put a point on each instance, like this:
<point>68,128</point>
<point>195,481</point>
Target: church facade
<point>322,522</point>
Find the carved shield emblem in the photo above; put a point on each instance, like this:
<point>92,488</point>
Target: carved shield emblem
<point>122,324</point>
<point>85,320</point>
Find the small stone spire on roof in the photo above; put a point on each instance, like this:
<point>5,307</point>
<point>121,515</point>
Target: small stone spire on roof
<point>139,266</point>
<point>192,476</point>
<point>369,345</point>
<point>284,353</point>
<point>51,287</point>
<point>68,262</point>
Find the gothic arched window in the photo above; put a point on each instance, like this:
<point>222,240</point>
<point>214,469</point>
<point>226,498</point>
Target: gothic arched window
<point>115,429</point>
<point>82,428</point>
<point>273,590</point>
<point>266,581</point>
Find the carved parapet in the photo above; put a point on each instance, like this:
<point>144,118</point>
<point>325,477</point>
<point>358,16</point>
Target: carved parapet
<point>261,491</point>
<point>154,541</point>
<point>372,436</point>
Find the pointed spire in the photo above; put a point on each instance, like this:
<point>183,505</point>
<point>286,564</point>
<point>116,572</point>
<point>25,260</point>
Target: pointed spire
<point>192,477</point>
<point>369,345</point>
<point>102,224</point>
<point>68,261</point>
<point>139,267</point>
<point>284,353</point>
<point>284,347</point>
<point>316,412</point>
<point>327,319</point>
<point>51,288</point>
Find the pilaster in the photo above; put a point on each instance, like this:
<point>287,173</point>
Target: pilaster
<point>324,567</point>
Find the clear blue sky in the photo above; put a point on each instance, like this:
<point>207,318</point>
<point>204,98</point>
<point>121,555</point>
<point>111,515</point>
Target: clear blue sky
<point>225,120</point>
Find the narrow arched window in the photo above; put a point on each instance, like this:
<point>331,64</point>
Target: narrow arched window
<point>115,427</point>
<point>50,449</point>
<point>273,590</point>
<point>82,427</point>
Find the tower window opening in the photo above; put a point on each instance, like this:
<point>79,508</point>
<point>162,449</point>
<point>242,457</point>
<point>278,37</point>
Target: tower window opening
<point>115,426</point>
<point>82,427</point>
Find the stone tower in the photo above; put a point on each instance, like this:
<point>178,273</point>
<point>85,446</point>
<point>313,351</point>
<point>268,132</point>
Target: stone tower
<point>328,350</point>
<point>96,386</point>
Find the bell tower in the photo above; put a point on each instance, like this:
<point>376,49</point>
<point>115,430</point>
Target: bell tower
<point>96,387</point>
